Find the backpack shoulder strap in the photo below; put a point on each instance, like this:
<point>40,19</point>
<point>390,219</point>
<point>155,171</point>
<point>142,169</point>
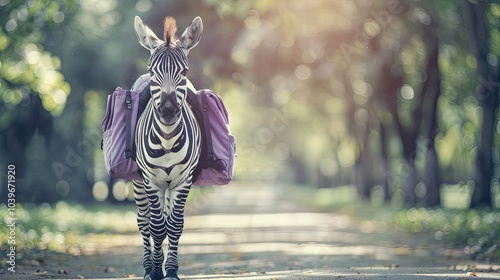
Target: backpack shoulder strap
<point>206,124</point>
<point>128,129</point>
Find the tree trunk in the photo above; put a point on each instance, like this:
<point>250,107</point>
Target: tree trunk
<point>360,132</point>
<point>487,93</point>
<point>481,195</point>
<point>384,139</point>
<point>410,181</point>
<point>364,164</point>
<point>364,182</point>
<point>431,94</point>
<point>299,170</point>
<point>390,81</point>
<point>431,178</point>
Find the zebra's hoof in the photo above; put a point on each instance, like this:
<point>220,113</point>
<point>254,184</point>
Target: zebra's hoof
<point>171,275</point>
<point>153,276</point>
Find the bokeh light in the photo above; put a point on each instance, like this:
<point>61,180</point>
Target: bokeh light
<point>100,191</point>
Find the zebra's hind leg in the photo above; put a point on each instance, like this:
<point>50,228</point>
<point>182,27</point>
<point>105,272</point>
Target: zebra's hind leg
<point>175,223</point>
<point>143,217</point>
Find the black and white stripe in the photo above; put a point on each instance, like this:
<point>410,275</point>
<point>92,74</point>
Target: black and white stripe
<point>167,154</point>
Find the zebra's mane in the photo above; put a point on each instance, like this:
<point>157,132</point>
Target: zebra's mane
<point>170,27</point>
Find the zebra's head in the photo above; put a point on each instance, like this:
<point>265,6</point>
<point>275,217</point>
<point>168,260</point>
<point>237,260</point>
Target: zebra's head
<point>168,65</point>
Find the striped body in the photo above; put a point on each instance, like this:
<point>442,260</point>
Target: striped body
<point>168,148</point>
<point>167,155</point>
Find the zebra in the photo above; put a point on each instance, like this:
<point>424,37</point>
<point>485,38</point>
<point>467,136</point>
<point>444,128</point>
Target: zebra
<point>168,143</point>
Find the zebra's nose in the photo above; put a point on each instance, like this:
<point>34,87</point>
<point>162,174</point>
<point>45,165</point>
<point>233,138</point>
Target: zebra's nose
<point>168,109</point>
<point>168,106</point>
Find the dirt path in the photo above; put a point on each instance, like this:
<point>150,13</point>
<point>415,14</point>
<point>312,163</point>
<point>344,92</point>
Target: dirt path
<point>253,232</point>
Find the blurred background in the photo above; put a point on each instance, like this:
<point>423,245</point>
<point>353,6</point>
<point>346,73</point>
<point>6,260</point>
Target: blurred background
<point>398,98</point>
<point>393,102</point>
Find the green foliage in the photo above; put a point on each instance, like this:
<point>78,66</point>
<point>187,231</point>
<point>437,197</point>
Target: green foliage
<point>477,232</point>
<point>63,226</point>
<point>26,67</point>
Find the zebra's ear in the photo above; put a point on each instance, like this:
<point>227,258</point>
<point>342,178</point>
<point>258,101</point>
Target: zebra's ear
<point>192,34</point>
<point>145,35</point>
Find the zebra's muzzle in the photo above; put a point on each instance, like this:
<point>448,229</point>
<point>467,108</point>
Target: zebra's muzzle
<point>168,110</point>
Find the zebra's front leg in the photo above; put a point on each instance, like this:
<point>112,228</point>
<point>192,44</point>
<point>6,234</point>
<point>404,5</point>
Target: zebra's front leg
<point>175,223</point>
<point>143,216</point>
<point>157,229</point>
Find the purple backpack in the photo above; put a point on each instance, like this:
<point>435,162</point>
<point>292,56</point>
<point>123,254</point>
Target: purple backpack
<point>124,107</point>
<point>118,135</point>
<point>218,149</point>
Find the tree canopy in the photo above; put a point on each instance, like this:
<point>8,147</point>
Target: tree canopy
<point>398,98</point>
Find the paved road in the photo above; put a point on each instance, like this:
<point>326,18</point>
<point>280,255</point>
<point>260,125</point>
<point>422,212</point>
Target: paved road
<point>257,232</point>
<point>245,231</point>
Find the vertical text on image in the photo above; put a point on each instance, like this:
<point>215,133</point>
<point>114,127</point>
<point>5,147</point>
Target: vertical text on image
<point>11,218</point>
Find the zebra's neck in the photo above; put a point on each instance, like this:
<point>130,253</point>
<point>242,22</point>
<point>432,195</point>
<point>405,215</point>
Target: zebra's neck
<point>173,130</point>
<point>167,134</point>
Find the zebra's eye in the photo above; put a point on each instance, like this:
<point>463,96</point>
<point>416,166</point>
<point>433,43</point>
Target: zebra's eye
<point>184,72</point>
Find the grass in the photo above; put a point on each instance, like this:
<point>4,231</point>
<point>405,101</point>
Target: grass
<point>59,227</point>
<point>476,232</point>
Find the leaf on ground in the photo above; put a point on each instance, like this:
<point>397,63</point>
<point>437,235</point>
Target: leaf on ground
<point>109,269</point>
<point>131,276</point>
<point>470,267</point>
<point>472,273</point>
<point>235,256</point>
<point>41,273</point>
<point>393,265</point>
<point>402,251</point>
<point>449,254</point>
